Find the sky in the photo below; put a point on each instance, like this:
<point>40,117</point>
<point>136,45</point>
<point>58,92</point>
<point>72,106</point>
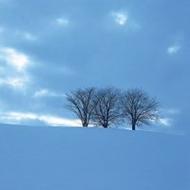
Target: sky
<point>48,48</point>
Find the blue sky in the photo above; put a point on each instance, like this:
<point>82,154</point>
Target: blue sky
<point>48,48</point>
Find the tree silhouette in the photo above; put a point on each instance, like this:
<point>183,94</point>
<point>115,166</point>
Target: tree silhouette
<point>106,109</point>
<point>138,108</point>
<point>81,103</point>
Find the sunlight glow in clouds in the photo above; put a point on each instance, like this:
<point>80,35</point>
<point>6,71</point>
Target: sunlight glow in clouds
<point>165,122</point>
<point>13,70</point>
<point>15,58</point>
<point>173,49</point>
<point>19,117</point>
<point>120,18</point>
<point>162,122</point>
<point>167,117</point>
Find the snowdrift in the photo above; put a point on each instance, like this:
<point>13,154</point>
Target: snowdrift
<point>48,158</point>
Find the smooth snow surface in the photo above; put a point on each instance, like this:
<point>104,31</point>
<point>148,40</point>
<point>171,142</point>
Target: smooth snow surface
<point>92,159</point>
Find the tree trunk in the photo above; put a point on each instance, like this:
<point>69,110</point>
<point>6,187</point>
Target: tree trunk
<point>133,126</point>
<point>105,125</point>
<point>85,124</point>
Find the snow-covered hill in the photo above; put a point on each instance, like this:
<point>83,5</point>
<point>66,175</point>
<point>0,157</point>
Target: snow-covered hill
<point>92,159</point>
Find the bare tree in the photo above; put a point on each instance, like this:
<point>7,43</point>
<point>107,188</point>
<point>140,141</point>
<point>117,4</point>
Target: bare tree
<point>106,111</point>
<point>138,108</point>
<point>81,103</point>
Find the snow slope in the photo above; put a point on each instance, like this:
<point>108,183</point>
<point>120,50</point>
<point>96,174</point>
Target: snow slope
<point>34,158</point>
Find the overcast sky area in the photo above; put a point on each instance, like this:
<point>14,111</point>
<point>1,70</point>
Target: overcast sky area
<point>48,48</point>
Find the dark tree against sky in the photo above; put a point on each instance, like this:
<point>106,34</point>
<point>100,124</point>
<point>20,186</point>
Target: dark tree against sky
<point>106,110</point>
<point>81,103</point>
<point>138,108</point>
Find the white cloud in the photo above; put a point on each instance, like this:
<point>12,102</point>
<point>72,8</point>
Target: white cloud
<point>15,58</point>
<point>58,121</point>
<point>167,122</point>
<point>14,68</point>
<point>19,117</point>
<point>26,36</point>
<point>173,49</point>
<point>14,82</point>
<point>62,21</point>
<point>121,18</point>
<point>41,93</point>
<point>167,117</point>
<point>46,92</point>
<point>163,121</point>
<point>29,36</point>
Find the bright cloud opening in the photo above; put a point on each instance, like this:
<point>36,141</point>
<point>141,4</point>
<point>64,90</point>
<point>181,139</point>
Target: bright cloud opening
<point>62,21</point>
<point>120,18</point>
<point>165,122</point>
<point>13,68</point>
<point>46,92</point>
<point>16,82</point>
<point>19,117</point>
<point>15,58</point>
<point>173,49</point>
<point>41,93</point>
